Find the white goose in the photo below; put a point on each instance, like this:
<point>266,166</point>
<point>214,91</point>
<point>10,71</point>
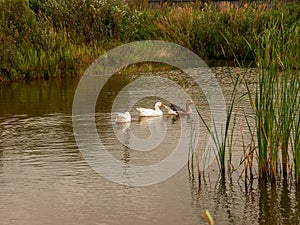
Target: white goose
<point>123,117</point>
<point>151,112</point>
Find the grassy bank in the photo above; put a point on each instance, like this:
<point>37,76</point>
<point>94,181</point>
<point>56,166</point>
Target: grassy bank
<point>48,38</point>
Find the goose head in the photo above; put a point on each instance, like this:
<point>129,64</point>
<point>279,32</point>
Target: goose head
<point>157,105</point>
<point>189,102</point>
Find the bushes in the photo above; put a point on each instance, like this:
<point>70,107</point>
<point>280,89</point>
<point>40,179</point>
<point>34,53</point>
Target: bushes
<point>60,37</point>
<point>91,21</point>
<point>18,26</point>
<point>31,48</point>
<point>207,31</point>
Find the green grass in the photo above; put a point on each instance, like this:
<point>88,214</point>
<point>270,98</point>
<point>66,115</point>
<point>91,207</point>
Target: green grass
<point>276,97</point>
<point>296,147</point>
<point>223,138</point>
<point>275,104</point>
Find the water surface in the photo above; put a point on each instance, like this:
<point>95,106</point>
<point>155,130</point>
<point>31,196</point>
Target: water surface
<point>44,178</point>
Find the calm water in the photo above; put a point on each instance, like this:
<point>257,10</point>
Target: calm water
<point>44,178</point>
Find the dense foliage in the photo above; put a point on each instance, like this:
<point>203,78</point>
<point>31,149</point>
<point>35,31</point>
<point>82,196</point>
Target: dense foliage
<point>46,38</point>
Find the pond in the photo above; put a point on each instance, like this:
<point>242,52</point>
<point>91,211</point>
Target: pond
<point>46,179</point>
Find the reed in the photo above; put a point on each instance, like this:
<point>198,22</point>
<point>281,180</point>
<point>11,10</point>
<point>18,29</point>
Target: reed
<point>295,134</point>
<point>192,155</point>
<point>249,151</point>
<point>223,139</point>
<point>275,101</point>
<point>296,148</point>
<point>276,96</point>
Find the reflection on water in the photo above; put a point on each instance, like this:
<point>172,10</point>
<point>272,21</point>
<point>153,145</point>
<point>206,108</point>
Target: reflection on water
<point>262,204</point>
<point>44,178</point>
<point>279,204</point>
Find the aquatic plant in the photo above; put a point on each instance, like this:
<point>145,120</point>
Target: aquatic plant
<point>223,138</point>
<point>192,154</point>
<point>296,146</point>
<point>275,103</point>
<point>248,153</point>
<point>277,93</point>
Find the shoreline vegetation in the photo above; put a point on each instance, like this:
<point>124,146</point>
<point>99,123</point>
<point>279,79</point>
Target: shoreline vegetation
<point>42,39</point>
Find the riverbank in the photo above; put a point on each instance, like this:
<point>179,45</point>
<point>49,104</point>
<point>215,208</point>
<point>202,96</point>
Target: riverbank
<point>46,39</point>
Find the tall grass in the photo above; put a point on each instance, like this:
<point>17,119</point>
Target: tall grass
<point>275,101</point>
<point>199,28</point>
<point>72,33</point>
<point>276,96</point>
<point>223,139</point>
<point>296,147</point>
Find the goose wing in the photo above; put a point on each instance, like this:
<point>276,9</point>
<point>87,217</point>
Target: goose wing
<point>176,108</point>
<point>171,111</point>
<point>148,112</point>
